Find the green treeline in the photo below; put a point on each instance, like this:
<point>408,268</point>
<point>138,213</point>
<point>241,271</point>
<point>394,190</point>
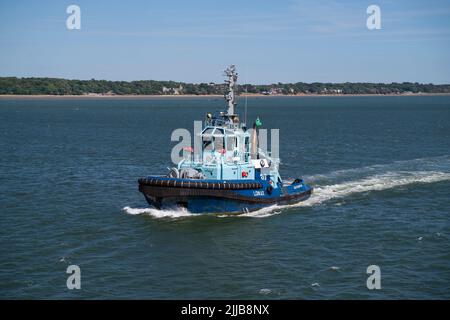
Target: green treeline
<point>54,86</point>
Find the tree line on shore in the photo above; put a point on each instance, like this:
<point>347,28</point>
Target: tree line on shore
<point>56,86</point>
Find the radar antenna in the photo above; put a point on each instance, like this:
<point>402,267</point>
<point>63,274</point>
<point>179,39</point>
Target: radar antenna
<point>230,96</point>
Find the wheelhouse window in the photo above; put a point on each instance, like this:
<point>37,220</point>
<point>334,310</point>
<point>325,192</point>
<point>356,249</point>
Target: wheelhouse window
<point>231,143</point>
<point>207,140</point>
<point>219,141</point>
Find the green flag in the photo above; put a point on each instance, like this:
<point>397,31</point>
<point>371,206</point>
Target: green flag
<point>258,122</point>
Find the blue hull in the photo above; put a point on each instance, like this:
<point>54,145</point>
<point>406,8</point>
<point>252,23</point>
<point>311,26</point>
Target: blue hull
<point>212,196</point>
<point>217,205</point>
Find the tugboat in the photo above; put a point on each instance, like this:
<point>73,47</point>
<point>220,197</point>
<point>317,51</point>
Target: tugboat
<point>228,174</point>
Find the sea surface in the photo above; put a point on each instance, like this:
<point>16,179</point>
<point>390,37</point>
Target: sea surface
<point>380,167</point>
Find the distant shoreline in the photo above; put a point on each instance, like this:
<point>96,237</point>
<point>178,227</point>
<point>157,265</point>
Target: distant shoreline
<point>180,96</point>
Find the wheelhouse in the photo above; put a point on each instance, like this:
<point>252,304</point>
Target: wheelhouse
<point>223,145</point>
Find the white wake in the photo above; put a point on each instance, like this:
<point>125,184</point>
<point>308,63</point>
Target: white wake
<point>342,184</point>
<point>178,213</point>
<point>325,193</point>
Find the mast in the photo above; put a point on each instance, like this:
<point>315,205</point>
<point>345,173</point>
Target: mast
<point>230,96</point>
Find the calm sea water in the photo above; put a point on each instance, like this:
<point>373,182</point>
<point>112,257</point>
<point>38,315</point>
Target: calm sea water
<point>68,195</point>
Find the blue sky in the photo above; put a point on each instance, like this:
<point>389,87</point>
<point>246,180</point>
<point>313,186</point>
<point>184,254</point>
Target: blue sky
<point>269,41</point>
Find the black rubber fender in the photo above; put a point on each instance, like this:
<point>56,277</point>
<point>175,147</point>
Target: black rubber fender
<point>199,184</point>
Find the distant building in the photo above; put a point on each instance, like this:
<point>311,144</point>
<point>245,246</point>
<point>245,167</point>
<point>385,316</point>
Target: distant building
<point>175,91</point>
<point>331,91</point>
<point>178,90</point>
<point>275,91</point>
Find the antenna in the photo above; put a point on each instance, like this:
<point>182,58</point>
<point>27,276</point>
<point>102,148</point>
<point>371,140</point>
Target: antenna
<point>246,94</point>
<point>245,112</point>
<point>232,75</point>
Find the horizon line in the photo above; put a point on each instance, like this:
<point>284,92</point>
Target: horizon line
<point>242,84</point>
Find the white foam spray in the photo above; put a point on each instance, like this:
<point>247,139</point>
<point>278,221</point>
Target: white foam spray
<point>325,193</point>
<point>176,213</point>
<point>341,184</point>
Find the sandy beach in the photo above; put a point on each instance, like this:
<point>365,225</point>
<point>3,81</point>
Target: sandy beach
<point>212,96</point>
